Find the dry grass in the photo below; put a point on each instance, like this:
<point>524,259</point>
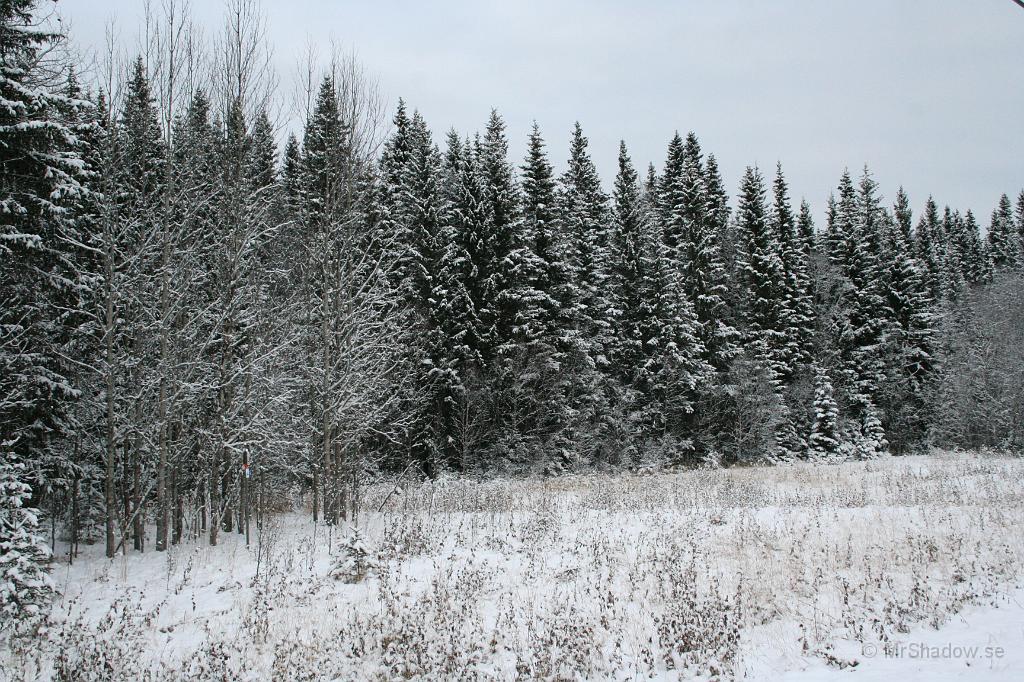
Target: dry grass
<point>690,574</point>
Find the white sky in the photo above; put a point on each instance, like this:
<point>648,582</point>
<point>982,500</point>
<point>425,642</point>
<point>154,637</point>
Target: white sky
<point>929,93</point>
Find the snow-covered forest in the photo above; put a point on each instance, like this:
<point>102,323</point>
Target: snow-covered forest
<point>211,328</point>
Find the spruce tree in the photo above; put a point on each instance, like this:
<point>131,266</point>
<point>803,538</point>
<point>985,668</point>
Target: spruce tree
<point>824,440</point>
<point>553,355</point>
<point>670,201</point>
<point>650,193</point>
<point>629,262</point>
<point>675,375</point>
<point>693,214</point>
<point>841,215</point>
<point>469,217</point>
<point>41,284</point>
<point>424,218</point>
<point>347,322</point>
<point>929,249</point>
<point>1004,240</point>
<point>975,256</point>
<point>806,233</point>
<point>261,162</point>
<point>904,216</point>
<point>584,213</point>
<point>25,586</point>
<point>764,309</point>
<point>798,311</point>
<point>760,273</point>
<point>509,300</point>
<point>718,198</point>
<point>1020,215</point>
<point>291,167</point>
<point>904,396</point>
<point>503,240</point>
<point>583,210</point>
<point>549,274</point>
<point>390,199</point>
<point>457,341</point>
<point>865,311</point>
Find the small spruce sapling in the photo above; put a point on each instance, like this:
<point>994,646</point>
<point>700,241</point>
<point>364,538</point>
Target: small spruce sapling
<point>354,560</point>
<point>25,585</point>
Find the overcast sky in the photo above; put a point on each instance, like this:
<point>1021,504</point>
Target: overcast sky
<point>928,93</point>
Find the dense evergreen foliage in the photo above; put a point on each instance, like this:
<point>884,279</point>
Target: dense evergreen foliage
<point>194,324</point>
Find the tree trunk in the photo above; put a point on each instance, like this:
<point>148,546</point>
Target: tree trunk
<point>73,550</point>
<point>111,445</point>
<point>179,508</point>
<point>228,513</point>
<point>126,492</point>
<point>340,484</point>
<point>245,496</point>
<point>261,509</point>
<point>138,525</point>
<point>214,521</point>
<point>316,494</point>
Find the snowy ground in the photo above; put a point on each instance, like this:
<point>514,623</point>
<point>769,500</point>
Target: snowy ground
<point>909,567</point>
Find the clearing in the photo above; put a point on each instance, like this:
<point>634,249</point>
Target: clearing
<point>900,566</point>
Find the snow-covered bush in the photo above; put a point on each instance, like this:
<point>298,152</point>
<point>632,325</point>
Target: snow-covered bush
<point>25,585</point>
<point>354,560</point>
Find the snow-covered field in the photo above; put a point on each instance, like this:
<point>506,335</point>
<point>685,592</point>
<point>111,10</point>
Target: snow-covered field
<point>908,568</point>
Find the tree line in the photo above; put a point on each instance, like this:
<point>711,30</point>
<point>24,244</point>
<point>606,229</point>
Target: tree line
<point>198,325</point>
